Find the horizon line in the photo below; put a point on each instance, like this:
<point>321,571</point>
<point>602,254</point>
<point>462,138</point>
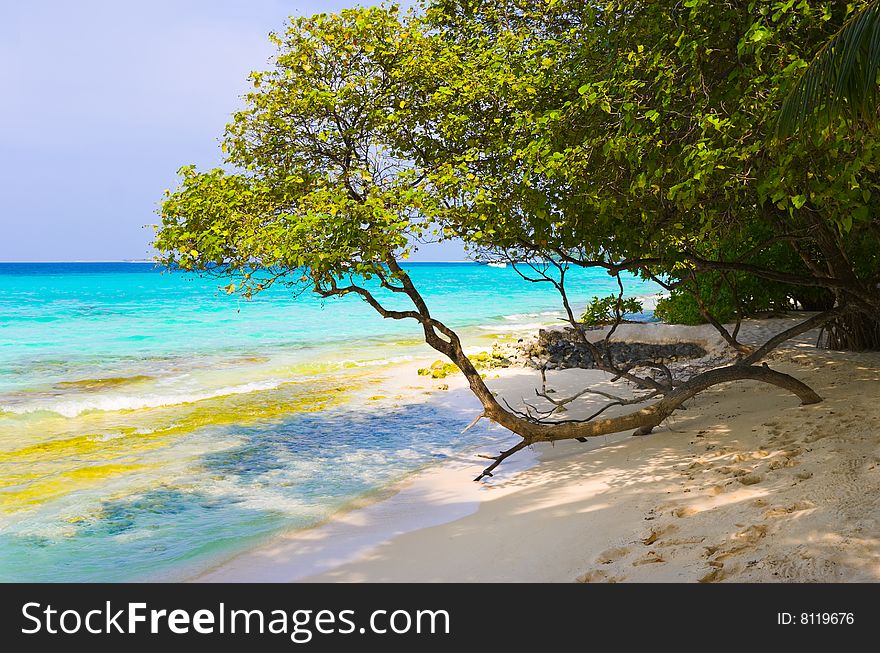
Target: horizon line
<point>144,260</point>
<point>109,260</point>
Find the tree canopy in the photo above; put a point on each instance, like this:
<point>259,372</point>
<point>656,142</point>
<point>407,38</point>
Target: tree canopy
<point>319,183</point>
<point>631,136</point>
<point>651,137</point>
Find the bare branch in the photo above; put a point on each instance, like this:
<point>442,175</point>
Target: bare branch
<point>670,381</point>
<point>500,458</point>
<point>340,291</point>
<point>694,292</point>
<point>474,422</point>
<point>601,361</point>
<point>618,318</point>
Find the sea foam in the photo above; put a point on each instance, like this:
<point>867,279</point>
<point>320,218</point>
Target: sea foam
<point>73,407</point>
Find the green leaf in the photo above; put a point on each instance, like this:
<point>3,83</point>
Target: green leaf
<point>860,214</point>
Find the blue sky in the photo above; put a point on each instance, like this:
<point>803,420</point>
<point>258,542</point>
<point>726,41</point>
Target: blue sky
<point>102,101</point>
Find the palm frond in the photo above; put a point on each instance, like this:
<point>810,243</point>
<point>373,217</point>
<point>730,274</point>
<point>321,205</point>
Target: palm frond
<point>841,79</point>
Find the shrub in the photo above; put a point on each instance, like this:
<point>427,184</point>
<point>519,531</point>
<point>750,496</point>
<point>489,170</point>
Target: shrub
<point>755,296</point>
<point>602,310</point>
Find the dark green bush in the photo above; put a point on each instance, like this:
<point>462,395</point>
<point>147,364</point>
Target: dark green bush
<point>680,308</point>
<point>755,296</point>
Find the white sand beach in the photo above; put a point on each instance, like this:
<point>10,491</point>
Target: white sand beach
<point>745,485</point>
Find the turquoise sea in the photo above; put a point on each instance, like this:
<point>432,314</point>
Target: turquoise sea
<point>151,424</point>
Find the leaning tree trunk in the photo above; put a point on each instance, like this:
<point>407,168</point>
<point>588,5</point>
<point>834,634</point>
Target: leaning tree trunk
<point>641,422</point>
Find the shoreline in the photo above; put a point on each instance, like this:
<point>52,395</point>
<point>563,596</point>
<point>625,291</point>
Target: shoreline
<point>152,432</point>
<point>437,494</point>
<point>434,494</point>
<point>738,487</point>
<point>427,498</point>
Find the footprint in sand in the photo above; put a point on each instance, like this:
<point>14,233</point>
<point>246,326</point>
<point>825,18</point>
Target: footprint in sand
<point>743,541</point>
<point>710,550</point>
<point>650,558</point>
<point>773,429</point>
<point>657,532</point>
<point>782,464</point>
<point>730,552</point>
<point>752,455</point>
<point>752,534</point>
<point>716,574</point>
<point>682,541</point>
<point>684,511</point>
<point>612,555</point>
<point>727,470</point>
<point>817,435</point>
<point>781,511</point>
<point>598,576</point>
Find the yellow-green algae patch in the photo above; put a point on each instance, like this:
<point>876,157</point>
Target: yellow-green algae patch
<point>482,361</point>
<point>102,384</point>
<point>58,485</point>
<point>121,441</point>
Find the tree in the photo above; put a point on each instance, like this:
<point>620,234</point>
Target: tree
<point>532,132</point>
<point>639,136</point>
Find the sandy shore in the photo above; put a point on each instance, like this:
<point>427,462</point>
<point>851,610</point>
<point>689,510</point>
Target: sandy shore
<point>745,485</point>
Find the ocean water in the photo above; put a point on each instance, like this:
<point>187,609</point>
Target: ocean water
<point>151,424</point>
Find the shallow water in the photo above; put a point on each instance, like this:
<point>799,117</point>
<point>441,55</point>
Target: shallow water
<point>150,423</point>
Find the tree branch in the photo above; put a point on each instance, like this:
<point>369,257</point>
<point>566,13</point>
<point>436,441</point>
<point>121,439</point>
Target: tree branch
<point>500,458</point>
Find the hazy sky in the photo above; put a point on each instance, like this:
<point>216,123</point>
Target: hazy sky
<point>102,101</point>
